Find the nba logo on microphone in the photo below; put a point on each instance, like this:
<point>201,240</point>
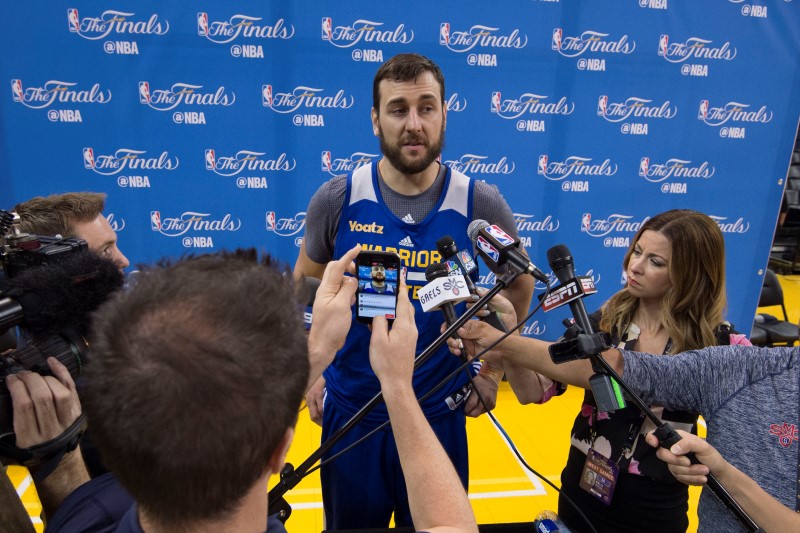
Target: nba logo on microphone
<point>602,105</point>
<point>73,21</point>
<point>702,113</point>
<point>662,45</point>
<point>16,91</point>
<point>586,221</point>
<point>266,95</point>
<point>202,24</point>
<point>444,33</point>
<point>155,220</point>
<point>542,164</point>
<point>271,221</point>
<point>211,159</point>
<point>144,92</point>
<point>327,29</point>
<point>495,102</point>
<point>88,158</point>
<point>556,44</point>
<point>644,166</point>
<point>326,161</point>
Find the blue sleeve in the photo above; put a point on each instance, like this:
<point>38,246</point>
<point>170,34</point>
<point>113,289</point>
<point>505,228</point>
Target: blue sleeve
<point>701,380</point>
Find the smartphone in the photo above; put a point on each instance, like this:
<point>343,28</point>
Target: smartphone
<point>377,285</point>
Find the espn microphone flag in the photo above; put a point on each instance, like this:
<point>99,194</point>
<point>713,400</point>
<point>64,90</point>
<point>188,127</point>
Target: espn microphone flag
<point>440,291</point>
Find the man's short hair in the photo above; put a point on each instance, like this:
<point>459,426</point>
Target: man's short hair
<point>196,374</point>
<point>57,214</point>
<point>405,67</point>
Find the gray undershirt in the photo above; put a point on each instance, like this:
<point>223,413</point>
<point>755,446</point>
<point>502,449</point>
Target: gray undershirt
<point>325,210</point>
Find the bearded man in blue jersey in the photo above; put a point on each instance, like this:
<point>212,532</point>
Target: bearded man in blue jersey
<point>404,203</point>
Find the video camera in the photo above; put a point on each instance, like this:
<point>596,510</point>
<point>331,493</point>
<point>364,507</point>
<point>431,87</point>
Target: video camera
<point>51,287</point>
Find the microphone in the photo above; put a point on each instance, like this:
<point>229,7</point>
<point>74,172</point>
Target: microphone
<point>459,262</point>
<point>62,295</point>
<point>498,248</point>
<point>607,393</point>
<point>309,291</point>
<point>441,291</point>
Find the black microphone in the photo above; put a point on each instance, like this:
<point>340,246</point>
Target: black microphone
<point>560,260</point>
<point>461,262</point>
<point>606,390</point>
<point>498,248</point>
<point>63,295</point>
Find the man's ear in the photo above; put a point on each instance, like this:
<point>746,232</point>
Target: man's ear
<point>278,457</point>
<point>376,129</point>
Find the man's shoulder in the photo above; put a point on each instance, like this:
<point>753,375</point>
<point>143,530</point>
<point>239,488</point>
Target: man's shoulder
<point>96,506</point>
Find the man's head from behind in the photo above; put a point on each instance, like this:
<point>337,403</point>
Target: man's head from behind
<point>196,378</point>
<point>73,214</point>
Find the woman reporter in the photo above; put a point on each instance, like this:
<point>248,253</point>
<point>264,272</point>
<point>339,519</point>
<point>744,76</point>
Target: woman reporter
<point>672,302</point>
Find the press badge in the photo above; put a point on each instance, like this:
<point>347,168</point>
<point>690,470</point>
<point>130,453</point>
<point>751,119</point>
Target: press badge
<point>599,476</point>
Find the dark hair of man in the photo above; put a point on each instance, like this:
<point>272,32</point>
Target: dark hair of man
<point>57,214</point>
<point>196,373</point>
<point>405,67</point>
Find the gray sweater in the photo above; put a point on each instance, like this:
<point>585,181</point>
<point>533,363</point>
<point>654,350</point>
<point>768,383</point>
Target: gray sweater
<point>749,397</point>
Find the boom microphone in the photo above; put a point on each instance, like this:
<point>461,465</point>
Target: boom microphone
<point>498,248</point>
<point>49,298</point>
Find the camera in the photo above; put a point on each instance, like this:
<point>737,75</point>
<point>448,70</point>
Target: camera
<point>50,288</point>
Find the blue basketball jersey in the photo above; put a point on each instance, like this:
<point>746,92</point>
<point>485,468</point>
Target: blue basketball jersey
<point>367,221</point>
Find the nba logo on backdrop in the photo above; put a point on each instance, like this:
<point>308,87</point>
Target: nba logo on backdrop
<point>326,161</point>
<point>602,106</point>
<point>444,33</point>
<point>88,158</point>
<point>144,92</point>
<point>663,42</point>
<point>16,90</point>
<point>211,159</point>
<point>202,24</point>
<point>271,221</point>
<point>266,95</point>
<point>155,220</point>
<point>586,222</point>
<point>542,164</point>
<point>73,21</point>
<point>327,29</point>
<point>495,102</point>
<point>557,34</point>
<point>702,112</point>
<point>644,166</point>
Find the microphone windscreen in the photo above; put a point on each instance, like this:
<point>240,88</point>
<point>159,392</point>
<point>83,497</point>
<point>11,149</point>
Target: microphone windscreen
<point>475,227</point>
<point>64,294</point>
<point>558,253</point>
<point>436,270</point>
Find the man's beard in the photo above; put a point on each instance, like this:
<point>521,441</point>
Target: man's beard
<point>395,153</point>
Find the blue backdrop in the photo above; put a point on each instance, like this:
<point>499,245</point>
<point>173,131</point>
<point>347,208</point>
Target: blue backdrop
<point>211,124</point>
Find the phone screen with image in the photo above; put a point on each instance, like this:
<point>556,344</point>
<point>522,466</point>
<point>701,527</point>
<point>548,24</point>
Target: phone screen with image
<point>377,285</point>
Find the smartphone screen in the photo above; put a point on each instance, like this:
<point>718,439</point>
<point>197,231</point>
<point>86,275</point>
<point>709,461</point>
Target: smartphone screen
<point>377,285</point>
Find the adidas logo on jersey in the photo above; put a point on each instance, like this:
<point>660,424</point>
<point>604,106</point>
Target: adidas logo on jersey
<point>407,242</point>
<point>408,219</point>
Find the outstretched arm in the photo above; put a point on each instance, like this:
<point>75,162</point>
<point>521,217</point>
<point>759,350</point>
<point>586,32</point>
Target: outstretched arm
<point>766,511</point>
<point>436,497</point>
